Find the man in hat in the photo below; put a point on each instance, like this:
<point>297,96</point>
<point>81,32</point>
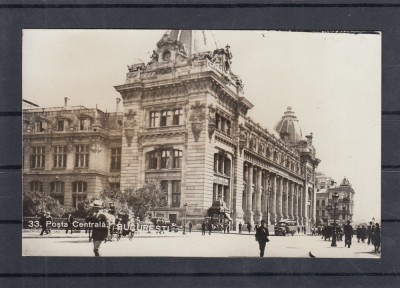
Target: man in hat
<point>262,234</point>
<point>49,221</point>
<point>100,225</point>
<point>348,234</point>
<point>42,222</point>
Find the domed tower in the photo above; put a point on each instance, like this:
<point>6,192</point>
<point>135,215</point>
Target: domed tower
<point>194,40</point>
<point>288,127</point>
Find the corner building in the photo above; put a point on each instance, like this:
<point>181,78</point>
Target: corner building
<point>185,123</point>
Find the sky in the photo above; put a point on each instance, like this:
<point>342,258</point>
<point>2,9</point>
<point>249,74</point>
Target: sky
<point>332,81</point>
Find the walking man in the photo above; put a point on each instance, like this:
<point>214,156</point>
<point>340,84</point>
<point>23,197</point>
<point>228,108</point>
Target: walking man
<point>348,234</point>
<point>248,227</point>
<point>209,228</point>
<point>42,222</point>
<point>100,226</point>
<point>298,229</point>
<point>203,228</point>
<point>190,227</point>
<point>240,227</point>
<point>262,237</point>
<point>70,220</point>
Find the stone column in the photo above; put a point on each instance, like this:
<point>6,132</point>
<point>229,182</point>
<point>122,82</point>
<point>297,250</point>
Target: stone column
<point>246,180</point>
<point>305,206</point>
<point>285,197</point>
<point>295,203</point>
<point>272,200</point>
<point>279,198</point>
<point>300,195</point>
<point>258,213</point>
<point>290,203</point>
<point>249,208</point>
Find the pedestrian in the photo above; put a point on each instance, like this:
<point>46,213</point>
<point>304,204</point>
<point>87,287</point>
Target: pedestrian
<point>203,228</point>
<point>49,222</point>
<point>358,232</point>
<point>262,237</point>
<point>224,226</point>
<point>210,226</point>
<point>249,227</point>
<point>100,226</point>
<point>228,227</point>
<point>363,233</point>
<point>369,233</point>
<point>298,229</point>
<point>305,230</point>
<point>43,224</point>
<point>70,221</point>
<point>190,227</point>
<point>348,234</point>
<point>240,227</point>
<point>377,238</point>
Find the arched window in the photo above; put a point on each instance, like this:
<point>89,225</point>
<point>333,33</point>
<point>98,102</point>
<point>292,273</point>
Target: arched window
<point>57,187</point>
<point>36,186</point>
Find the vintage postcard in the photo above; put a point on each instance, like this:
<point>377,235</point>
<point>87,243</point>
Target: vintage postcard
<point>199,143</point>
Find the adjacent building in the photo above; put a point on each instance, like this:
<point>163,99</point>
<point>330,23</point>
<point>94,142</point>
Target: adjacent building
<point>185,123</point>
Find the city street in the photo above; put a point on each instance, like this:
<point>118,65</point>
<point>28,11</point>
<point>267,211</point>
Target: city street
<point>196,245</point>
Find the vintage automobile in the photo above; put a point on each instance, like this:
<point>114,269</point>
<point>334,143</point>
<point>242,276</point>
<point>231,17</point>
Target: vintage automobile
<point>285,227</point>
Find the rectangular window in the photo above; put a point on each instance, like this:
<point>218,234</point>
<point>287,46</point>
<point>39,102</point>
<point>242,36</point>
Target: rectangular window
<point>228,127</point>
<point>60,125</point>
<point>177,159</point>
<point>164,118</point>
<point>115,159</point>
<point>165,157</point>
<point>176,193</point>
<point>39,126</point>
<point>317,204</point>
<point>79,187</point>
<point>323,213</point>
<point>164,189</point>
<point>38,157</point>
<point>177,118</point>
<point>218,121</point>
<point>60,157</point>
<point>82,156</point>
<point>153,160</point>
<point>84,124</point>
<point>154,119</point>
<point>323,203</point>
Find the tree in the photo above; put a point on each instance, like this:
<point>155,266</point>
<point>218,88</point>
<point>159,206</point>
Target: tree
<point>139,201</point>
<point>35,203</point>
<point>146,198</point>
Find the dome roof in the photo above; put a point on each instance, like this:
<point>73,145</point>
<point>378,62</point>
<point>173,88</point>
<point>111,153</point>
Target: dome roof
<point>288,127</point>
<point>195,40</point>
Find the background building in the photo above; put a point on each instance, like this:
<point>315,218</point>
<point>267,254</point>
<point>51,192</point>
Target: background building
<point>345,207</point>
<point>185,123</point>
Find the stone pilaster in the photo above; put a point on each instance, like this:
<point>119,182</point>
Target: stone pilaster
<point>258,213</point>
<point>249,202</point>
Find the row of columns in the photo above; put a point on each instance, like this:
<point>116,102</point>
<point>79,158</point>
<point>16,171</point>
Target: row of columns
<point>272,197</point>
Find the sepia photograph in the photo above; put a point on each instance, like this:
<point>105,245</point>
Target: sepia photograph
<point>201,143</point>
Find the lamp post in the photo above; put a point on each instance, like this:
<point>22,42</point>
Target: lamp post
<point>335,198</point>
<point>184,219</point>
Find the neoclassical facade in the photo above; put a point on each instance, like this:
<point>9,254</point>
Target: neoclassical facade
<point>184,123</point>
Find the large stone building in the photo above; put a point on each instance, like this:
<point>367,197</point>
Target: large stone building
<point>344,208</point>
<point>184,123</point>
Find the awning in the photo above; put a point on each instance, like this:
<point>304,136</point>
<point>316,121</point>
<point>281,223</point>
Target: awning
<point>227,216</point>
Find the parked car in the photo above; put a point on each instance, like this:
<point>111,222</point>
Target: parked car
<point>285,227</point>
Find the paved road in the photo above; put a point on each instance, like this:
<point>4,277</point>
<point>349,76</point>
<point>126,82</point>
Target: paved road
<point>196,245</point>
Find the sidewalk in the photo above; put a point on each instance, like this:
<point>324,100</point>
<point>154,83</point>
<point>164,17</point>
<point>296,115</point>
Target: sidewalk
<point>26,233</point>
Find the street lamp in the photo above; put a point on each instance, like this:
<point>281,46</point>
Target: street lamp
<point>335,198</point>
<point>184,219</point>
